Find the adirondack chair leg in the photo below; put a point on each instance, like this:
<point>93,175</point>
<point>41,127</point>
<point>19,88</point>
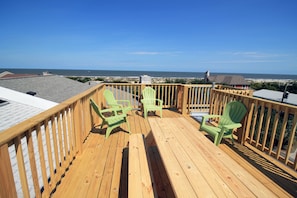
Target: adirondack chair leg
<point>218,138</point>
<point>232,139</point>
<point>109,129</point>
<point>145,113</point>
<point>128,125</point>
<point>101,126</point>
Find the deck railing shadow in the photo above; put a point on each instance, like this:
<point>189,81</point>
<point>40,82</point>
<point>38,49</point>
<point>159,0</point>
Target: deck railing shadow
<point>279,176</point>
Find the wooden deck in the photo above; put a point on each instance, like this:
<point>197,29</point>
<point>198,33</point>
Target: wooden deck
<point>102,169</point>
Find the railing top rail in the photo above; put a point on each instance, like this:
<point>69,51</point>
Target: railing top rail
<point>260,100</point>
<point>12,132</point>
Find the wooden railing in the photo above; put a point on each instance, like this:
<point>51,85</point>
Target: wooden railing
<point>246,92</point>
<point>184,98</point>
<point>38,151</point>
<point>269,126</point>
<point>167,92</point>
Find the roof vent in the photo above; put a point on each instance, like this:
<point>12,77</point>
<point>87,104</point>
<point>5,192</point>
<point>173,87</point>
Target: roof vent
<point>32,93</point>
<point>3,102</point>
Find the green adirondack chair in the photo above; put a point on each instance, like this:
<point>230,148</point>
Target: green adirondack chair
<point>125,105</point>
<point>150,102</point>
<point>113,121</point>
<point>230,120</point>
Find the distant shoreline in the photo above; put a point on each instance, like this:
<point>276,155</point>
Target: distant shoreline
<point>153,74</point>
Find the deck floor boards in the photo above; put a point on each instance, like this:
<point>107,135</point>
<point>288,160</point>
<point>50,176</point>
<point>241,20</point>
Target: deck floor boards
<point>101,170</point>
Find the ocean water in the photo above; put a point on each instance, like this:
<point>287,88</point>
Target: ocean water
<point>164,74</point>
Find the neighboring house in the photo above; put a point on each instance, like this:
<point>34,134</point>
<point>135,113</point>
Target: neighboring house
<point>235,81</point>
<point>8,75</point>
<point>50,87</point>
<point>23,96</point>
<point>16,107</point>
<point>276,96</point>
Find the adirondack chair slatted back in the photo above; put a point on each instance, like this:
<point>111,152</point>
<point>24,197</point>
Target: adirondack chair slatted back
<point>233,113</point>
<point>109,97</point>
<point>96,109</point>
<point>149,94</point>
<point>114,103</point>
<point>150,102</point>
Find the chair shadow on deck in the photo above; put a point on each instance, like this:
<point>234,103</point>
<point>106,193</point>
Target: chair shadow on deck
<point>96,129</point>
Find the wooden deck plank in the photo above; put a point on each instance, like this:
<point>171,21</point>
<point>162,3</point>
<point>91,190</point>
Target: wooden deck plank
<point>80,176</point>
<point>140,183</point>
<point>174,168</point>
<point>245,178</point>
<point>77,170</point>
<point>205,162</point>
<point>133,179</point>
<point>116,177</point>
<point>109,168</point>
<point>276,189</point>
<point>190,169</point>
<point>220,189</point>
<point>163,185</point>
<point>94,168</point>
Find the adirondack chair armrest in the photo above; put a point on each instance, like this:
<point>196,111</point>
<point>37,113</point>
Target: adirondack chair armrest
<point>159,102</point>
<point>231,126</point>
<point>144,100</point>
<point>125,101</point>
<point>113,110</point>
<point>117,105</point>
<point>206,117</point>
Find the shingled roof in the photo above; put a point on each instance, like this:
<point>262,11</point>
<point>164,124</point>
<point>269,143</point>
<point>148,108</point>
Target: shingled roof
<point>228,79</point>
<point>52,87</point>
<point>17,107</point>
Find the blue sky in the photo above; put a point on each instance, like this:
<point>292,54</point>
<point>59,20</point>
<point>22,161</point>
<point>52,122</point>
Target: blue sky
<point>233,36</point>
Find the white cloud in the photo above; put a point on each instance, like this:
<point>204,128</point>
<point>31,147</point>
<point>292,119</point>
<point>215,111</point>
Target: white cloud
<point>154,53</point>
<point>145,53</point>
<point>241,61</point>
<point>252,54</point>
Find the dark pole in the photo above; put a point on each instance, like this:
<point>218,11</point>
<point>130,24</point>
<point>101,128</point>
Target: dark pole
<point>285,94</point>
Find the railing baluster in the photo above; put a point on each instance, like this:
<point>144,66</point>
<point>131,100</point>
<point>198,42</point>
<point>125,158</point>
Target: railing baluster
<point>49,152</point>
<point>260,122</point>
<point>6,176</point>
<point>267,124</point>
<point>56,149</point>
<point>33,163</point>
<point>291,139</point>
<point>65,131</point>
<point>60,140</point>
<point>21,165</point>
<point>254,123</point>
<point>42,160</point>
<point>274,129</point>
<point>71,132</point>
<point>282,133</point>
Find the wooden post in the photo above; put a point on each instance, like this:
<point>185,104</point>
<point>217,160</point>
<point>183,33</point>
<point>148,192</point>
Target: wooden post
<point>179,95</point>
<point>77,126</point>
<point>245,130</point>
<point>185,100</point>
<point>7,184</point>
